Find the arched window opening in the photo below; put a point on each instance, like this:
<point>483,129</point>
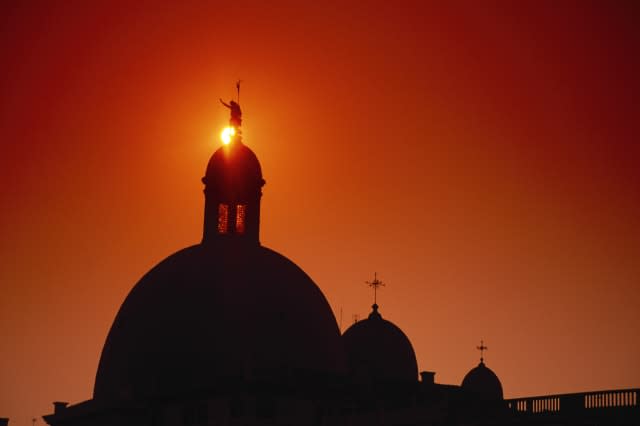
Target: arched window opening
<point>240,218</point>
<point>223,218</point>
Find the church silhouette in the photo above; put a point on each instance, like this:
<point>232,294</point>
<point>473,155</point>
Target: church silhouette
<point>178,353</point>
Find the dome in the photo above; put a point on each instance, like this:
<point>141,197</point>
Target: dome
<point>233,167</point>
<point>482,381</point>
<point>378,350</point>
<point>214,313</point>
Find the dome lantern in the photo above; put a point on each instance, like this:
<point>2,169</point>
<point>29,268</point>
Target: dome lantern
<point>233,188</point>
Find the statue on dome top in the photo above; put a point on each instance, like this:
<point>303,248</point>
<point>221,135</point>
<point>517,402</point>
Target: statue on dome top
<point>236,112</point>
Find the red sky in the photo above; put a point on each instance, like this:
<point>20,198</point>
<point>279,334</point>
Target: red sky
<point>480,156</point>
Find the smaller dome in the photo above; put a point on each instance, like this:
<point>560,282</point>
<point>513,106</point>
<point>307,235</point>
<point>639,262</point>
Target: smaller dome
<point>377,350</point>
<point>484,382</point>
<point>234,166</point>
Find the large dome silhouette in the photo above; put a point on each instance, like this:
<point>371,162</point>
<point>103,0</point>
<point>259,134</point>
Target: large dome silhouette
<point>213,313</point>
<point>224,311</point>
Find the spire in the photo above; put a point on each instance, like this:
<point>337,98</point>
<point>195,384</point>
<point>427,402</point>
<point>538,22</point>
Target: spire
<point>482,348</point>
<point>375,284</point>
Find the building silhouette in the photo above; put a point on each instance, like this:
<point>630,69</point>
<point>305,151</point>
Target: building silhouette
<point>178,352</point>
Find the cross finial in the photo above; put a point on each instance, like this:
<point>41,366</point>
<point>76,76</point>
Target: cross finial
<point>482,348</point>
<point>375,284</point>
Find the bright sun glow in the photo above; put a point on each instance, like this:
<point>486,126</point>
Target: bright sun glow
<point>227,134</point>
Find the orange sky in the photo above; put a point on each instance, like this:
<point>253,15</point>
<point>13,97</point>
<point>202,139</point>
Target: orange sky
<point>481,157</point>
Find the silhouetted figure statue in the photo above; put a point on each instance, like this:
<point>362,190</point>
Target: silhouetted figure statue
<point>236,113</point>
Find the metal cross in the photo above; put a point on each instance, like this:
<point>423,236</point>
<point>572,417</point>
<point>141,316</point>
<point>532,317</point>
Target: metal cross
<point>375,284</point>
<point>482,348</point>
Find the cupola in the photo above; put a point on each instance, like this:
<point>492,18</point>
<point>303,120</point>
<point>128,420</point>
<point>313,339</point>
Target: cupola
<point>233,188</point>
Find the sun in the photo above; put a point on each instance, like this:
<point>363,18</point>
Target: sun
<point>227,135</point>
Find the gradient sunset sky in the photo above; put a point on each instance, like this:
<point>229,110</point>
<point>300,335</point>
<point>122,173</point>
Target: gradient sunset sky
<point>482,157</point>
